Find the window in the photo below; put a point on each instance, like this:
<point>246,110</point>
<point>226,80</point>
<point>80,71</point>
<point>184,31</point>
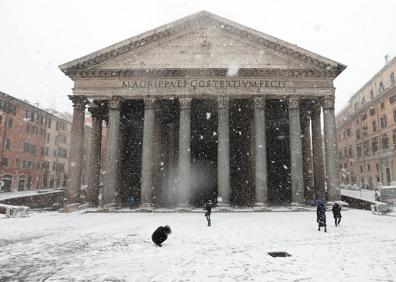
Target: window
<point>8,144</point>
<point>26,147</point>
<point>49,123</point>
<point>1,119</point>
<point>371,94</point>
<point>374,145</point>
<point>366,149</point>
<point>356,106</point>
<point>33,149</point>
<point>385,142</point>
<point>361,168</point>
<point>382,105</point>
<point>383,121</point>
<point>392,78</point>
<point>392,99</point>
<point>381,87</point>
<point>374,126</point>
<point>394,139</point>
<point>364,116</point>
<point>368,167</point>
<point>372,111</point>
<point>348,132</point>
<point>350,152</point>
<point>5,162</point>
<point>10,122</point>
<point>358,133</point>
<point>364,130</point>
<point>394,116</point>
<point>359,151</point>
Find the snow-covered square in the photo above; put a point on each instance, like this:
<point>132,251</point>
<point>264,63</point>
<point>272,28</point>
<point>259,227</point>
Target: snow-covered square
<point>118,247</point>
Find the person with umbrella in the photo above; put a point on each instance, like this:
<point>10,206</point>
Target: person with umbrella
<point>337,213</point>
<point>321,216</point>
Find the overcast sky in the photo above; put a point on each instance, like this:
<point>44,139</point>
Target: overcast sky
<point>37,36</point>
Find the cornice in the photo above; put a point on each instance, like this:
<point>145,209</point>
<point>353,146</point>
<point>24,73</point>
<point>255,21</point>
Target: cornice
<point>197,73</point>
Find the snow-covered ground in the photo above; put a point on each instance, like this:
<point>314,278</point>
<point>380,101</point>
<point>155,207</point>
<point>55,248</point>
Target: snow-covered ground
<point>118,247</point>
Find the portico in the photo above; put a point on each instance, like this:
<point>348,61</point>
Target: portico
<point>204,108</point>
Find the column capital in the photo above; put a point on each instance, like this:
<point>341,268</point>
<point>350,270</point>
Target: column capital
<point>259,102</point>
<point>293,103</point>
<point>222,102</point>
<point>96,112</point>
<point>185,103</point>
<point>305,116</point>
<point>149,103</point>
<point>115,103</point>
<point>328,102</point>
<point>79,102</point>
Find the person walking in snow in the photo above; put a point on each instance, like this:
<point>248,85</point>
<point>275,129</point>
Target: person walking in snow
<point>161,234</point>
<point>337,213</point>
<point>321,216</point>
<point>208,209</point>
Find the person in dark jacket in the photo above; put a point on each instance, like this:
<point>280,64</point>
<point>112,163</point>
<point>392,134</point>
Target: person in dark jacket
<point>161,234</point>
<point>337,213</point>
<point>321,216</point>
<point>208,209</point>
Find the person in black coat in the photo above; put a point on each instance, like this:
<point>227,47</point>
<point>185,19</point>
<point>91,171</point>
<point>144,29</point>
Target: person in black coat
<point>208,209</point>
<point>337,213</point>
<point>161,234</point>
<point>321,216</point>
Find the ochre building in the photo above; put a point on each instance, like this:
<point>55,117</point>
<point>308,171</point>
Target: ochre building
<point>205,108</point>
<point>366,130</point>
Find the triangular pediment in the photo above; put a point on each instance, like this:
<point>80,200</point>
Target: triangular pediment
<point>203,47</point>
<point>202,40</point>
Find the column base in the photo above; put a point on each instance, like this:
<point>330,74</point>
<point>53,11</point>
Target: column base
<point>183,208</point>
<point>298,207</point>
<point>71,207</point>
<point>93,205</point>
<point>145,207</point>
<point>261,207</point>
<point>221,207</point>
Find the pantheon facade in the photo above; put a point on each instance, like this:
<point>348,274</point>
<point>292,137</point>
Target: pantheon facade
<point>205,108</point>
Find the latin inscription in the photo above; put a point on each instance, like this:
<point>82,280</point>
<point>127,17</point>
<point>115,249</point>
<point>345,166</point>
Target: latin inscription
<point>204,83</point>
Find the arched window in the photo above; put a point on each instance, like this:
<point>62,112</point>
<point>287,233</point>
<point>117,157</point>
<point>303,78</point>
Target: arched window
<point>381,87</point>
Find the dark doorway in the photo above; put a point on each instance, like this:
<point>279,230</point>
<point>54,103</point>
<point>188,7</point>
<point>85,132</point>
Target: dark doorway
<point>278,152</point>
<point>203,151</point>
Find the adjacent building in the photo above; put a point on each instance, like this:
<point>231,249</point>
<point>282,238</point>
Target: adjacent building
<point>34,146</point>
<point>366,131</point>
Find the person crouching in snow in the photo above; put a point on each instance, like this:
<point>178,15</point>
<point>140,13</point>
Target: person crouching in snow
<point>161,234</point>
<point>321,216</point>
<point>208,208</point>
<point>337,213</point>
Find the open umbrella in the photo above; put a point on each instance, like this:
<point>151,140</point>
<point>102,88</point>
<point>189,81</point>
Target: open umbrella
<point>342,203</point>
